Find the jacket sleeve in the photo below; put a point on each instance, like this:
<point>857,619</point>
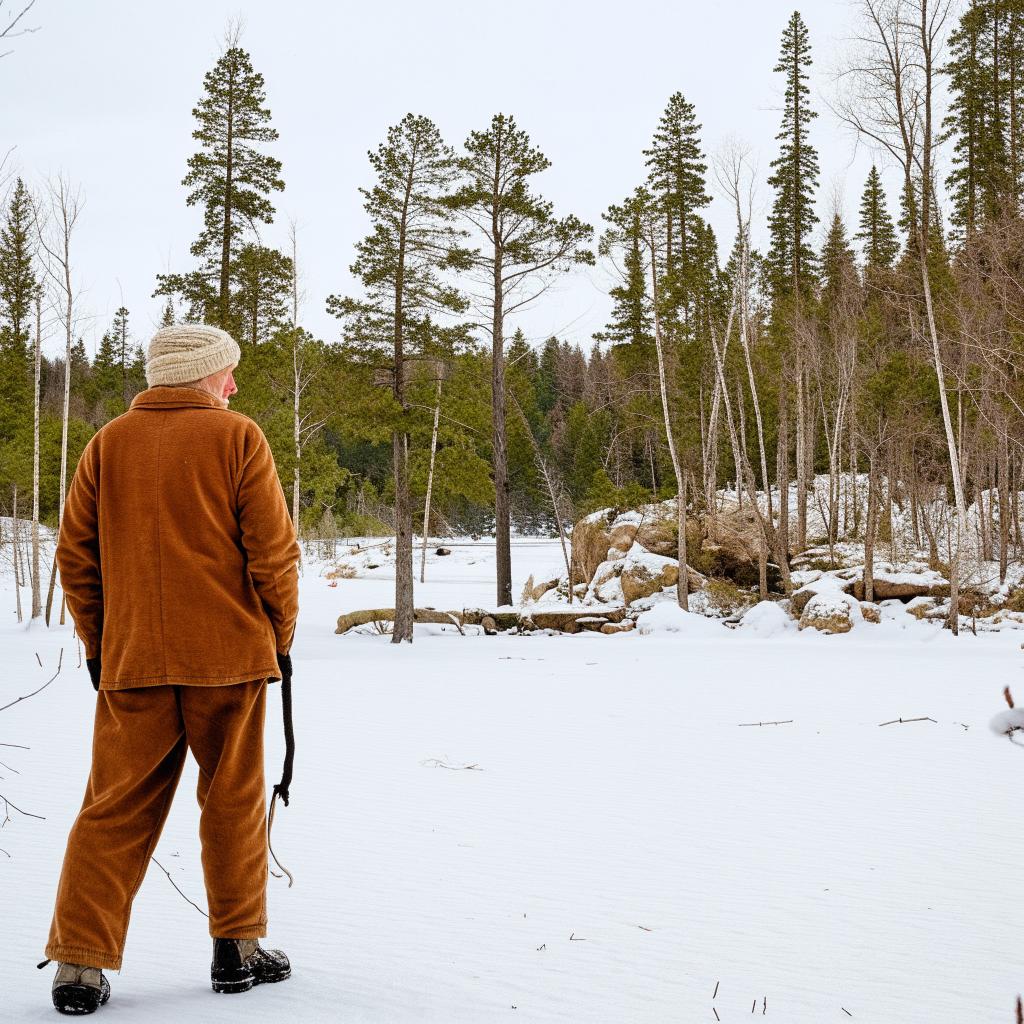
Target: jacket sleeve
<point>268,537</point>
<point>78,554</point>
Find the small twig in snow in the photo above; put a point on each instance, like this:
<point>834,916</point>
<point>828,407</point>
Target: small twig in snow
<point>41,688</point>
<point>748,725</point>
<point>715,993</point>
<point>8,804</point>
<point>715,1012</point>
<point>846,1011</point>
<point>572,938</point>
<point>17,746</point>
<point>175,884</point>
<point>903,721</point>
<point>39,659</point>
<point>435,762</point>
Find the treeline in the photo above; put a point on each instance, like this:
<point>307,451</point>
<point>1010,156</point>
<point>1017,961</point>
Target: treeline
<point>889,346</point>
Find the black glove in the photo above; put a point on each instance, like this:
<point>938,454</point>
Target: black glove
<point>93,664</point>
<point>284,665</point>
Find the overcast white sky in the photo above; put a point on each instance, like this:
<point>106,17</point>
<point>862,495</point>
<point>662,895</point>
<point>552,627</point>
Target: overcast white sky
<point>104,92</point>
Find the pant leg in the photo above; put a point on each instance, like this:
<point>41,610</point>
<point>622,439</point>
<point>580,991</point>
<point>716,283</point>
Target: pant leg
<point>137,755</point>
<point>224,727</point>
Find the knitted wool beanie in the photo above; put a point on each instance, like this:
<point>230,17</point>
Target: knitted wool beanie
<point>187,352</point>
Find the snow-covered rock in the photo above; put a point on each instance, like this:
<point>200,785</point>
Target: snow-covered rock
<point>831,612</point>
<point>888,584</point>
<point>827,584</point>
<point>668,617</point>
<point>766,619</point>
<point>870,612</point>
<point>645,573</point>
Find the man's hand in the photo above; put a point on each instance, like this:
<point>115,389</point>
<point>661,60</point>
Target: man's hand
<point>93,664</point>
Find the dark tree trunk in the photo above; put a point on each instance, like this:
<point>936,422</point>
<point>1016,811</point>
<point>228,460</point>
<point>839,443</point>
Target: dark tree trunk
<point>502,496</point>
<point>404,608</point>
<point>224,298</point>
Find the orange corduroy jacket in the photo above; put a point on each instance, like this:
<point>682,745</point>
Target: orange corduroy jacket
<point>176,552</point>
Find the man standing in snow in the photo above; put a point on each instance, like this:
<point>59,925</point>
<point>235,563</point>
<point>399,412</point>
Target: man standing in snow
<point>178,560</point>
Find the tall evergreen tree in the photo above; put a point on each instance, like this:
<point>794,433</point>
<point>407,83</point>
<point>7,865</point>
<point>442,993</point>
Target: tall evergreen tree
<point>795,177</point>
<point>525,244</point>
<point>986,78</point>
<point>837,262</point>
<point>264,280</point>
<point>402,265</point>
<point>232,179</point>
<point>632,321</point>
<point>18,285</point>
<point>676,180</point>
<point>105,376</point>
<point>877,234</point>
<point>17,276</point>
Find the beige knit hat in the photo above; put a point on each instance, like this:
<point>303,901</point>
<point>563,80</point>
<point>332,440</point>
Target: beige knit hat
<point>187,352</point>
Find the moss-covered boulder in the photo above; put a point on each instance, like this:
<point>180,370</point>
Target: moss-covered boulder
<point>832,612</point>
<point>645,573</point>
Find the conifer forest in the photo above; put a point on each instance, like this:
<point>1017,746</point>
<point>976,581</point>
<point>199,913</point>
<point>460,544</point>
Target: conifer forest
<point>854,364</point>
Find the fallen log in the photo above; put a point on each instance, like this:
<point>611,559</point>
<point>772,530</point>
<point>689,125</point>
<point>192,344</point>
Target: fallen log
<point>368,615</point>
<point>494,622</point>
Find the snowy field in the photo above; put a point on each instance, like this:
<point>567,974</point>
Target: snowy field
<point>575,828</point>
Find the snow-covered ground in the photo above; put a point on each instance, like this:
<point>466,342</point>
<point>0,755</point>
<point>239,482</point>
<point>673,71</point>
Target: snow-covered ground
<point>575,828</point>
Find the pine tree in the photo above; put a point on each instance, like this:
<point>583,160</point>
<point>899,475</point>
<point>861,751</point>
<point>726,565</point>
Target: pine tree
<point>547,376</point>
<point>791,259</point>
<point>121,334</point>
<point>401,265</point>
<point>632,319</point>
<point>525,245</point>
<point>984,119</point>
<point>17,277</point>
<point>837,263</point>
<point>264,281</point>
<point>105,376</point>
<point>232,179</point>
<point>676,180</point>
<point>796,169</point>
<point>877,234</point>
<point>18,287</point>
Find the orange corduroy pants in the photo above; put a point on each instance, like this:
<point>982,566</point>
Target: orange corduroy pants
<point>140,740</point>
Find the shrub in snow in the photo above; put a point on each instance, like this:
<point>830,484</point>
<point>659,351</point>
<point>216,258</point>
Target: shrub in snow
<point>725,599</point>
<point>766,619</point>
<point>922,607</point>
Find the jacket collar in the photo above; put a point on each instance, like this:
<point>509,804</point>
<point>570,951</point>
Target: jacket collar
<point>163,397</point>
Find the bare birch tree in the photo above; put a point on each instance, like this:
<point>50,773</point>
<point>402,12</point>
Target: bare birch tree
<point>888,98</point>
<point>55,229</point>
